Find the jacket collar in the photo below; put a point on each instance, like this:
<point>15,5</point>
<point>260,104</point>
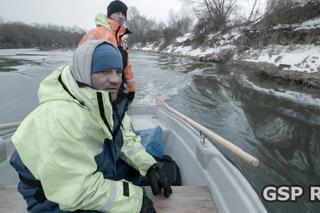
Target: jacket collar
<point>85,94</point>
<point>117,28</point>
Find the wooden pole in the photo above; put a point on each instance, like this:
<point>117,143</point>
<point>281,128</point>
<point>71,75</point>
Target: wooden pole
<point>9,125</point>
<point>213,136</point>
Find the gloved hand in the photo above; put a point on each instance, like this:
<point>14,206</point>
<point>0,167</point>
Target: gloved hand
<point>158,179</point>
<point>147,204</point>
<point>130,96</point>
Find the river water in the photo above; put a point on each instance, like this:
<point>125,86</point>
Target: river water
<point>275,121</point>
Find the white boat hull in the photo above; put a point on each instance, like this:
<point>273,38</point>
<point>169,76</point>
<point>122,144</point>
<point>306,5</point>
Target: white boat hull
<point>201,164</point>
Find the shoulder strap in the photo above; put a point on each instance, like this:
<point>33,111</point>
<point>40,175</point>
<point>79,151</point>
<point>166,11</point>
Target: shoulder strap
<point>102,113</point>
<point>66,89</point>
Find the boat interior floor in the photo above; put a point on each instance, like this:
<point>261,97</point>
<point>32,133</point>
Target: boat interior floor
<point>183,199</point>
<point>11,200</point>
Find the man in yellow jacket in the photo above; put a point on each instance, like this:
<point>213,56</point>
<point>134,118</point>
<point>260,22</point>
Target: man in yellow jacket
<point>75,150</point>
<point>111,28</point>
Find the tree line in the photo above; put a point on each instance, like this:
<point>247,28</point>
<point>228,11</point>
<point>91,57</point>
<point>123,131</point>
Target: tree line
<point>21,35</point>
<point>206,17</point>
<point>148,30</point>
<point>219,15</point>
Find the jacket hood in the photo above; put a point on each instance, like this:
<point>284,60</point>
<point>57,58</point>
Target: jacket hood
<point>110,24</point>
<point>81,62</point>
<point>101,20</point>
<point>68,78</point>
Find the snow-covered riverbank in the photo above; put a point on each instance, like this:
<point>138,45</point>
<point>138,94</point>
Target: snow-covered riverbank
<point>295,62</point>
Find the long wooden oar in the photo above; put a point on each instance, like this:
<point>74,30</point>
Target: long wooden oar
<point>213,136</point>
<point>9,125</point>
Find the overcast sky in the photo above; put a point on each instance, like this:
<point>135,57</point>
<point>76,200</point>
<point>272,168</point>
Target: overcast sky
<point>77,13</point>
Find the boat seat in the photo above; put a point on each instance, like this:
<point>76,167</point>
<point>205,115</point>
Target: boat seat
<point>186,199</point>
<point>6,148</point>
<point>9,177</point>
<point>183,199</point>
<point>3,150</point>
<point>11,200</point>
<point>147,121</point>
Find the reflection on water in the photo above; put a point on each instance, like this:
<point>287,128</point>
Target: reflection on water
<point>8,64</point>
<point>277,123</point>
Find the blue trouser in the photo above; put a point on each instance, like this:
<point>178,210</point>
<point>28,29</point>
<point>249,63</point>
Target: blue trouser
<point>124,171</point>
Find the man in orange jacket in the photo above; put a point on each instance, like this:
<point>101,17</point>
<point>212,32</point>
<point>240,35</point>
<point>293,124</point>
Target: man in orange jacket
<point>111,28</point>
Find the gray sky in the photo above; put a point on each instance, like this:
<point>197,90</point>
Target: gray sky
<point>75,12</point>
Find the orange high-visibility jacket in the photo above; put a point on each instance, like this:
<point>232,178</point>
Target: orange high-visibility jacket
<point>112,31</point>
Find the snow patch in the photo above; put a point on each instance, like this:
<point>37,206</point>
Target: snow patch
<point>184,38</point>
<point>307,25</point>
<point>310,24</point>
<point>301,58</point>
<point>169,48</point>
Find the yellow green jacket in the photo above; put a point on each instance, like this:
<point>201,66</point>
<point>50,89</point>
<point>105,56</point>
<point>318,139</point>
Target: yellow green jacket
<point>58,141</point>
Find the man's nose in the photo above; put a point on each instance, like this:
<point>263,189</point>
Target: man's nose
<point>115,78</point>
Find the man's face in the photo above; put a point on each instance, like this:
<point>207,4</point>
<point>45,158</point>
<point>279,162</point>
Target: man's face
<point>118,17</point>
<point>108,80</point>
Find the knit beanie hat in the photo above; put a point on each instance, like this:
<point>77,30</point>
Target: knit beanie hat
<point>106,57</point>
<point>117,6</point>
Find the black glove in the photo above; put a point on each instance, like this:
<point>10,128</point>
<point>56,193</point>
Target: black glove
<point>158,179</point>
<point>130,96</point>
<point>147,205</point>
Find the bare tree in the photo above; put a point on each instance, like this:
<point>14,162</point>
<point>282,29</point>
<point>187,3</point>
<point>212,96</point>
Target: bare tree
<point>219,10</point>
<point>181,23</point>
<point>252,9</point>
<point>280,5</point>
<point>138,24</point>
<point>248,11</point>
<point>18,35</point>
<point>255,12</point>
<point>147,30</point>
<point>144,29</point>
<point>215,13</point>
<point>288,11</point>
